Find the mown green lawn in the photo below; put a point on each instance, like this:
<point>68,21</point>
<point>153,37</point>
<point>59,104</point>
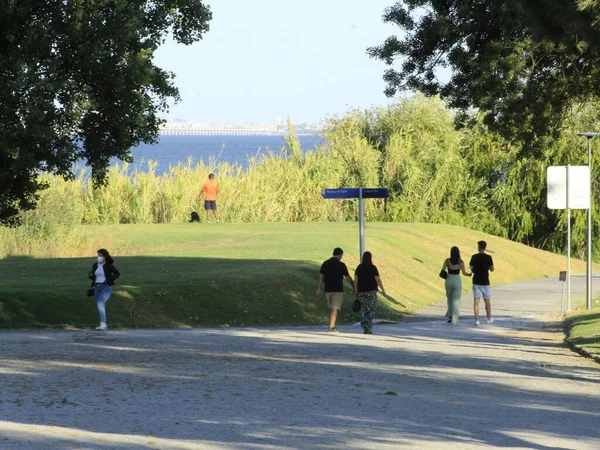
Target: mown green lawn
<point>187,275</point>
<point>584,331</point>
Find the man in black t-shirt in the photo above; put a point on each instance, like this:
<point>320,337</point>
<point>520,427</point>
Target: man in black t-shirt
<point>332,274</point>
<point>481,265</point>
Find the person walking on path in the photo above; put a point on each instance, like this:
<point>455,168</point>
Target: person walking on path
<point>366,282</point>
<point>332,274</point>
<point>103,276</point>
<point>481,265</point>
<point>210,189</point>
<point>454,265</point>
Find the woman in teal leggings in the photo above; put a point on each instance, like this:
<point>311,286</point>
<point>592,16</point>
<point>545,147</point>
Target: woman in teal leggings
<point>453,284</point>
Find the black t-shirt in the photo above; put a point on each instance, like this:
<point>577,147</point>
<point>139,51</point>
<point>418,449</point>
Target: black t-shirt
<point>366,277</point>
<point>481,263</point>
<point>334,272</point>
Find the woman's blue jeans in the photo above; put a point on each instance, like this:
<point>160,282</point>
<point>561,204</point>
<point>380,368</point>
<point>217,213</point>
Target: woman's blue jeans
<point>103,292</point>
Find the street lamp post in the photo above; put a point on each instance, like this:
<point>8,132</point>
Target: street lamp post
<point>588,276</point>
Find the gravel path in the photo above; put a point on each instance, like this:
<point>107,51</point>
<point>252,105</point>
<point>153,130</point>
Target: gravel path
<point>422,384</point>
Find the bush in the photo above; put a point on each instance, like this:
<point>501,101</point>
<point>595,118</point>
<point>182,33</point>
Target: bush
<point>435,173</point>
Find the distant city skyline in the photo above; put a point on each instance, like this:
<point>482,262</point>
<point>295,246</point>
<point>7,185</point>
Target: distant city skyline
<point>180,127</point>
<point>278,121</point>
<point>268,59</point>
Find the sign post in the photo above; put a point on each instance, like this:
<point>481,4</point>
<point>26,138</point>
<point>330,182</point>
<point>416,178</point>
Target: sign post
<point>562,276</point>
<point>588,278</point>
<point>568,242</point>
<point>361,222</point>
<point>568,187</point>
<point>359,193</point>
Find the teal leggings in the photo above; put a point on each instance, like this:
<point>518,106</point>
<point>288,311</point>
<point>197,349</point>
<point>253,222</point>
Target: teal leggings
<point>453,293</point>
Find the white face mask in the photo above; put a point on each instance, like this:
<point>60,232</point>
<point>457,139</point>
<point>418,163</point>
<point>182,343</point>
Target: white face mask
<point>100,259</point>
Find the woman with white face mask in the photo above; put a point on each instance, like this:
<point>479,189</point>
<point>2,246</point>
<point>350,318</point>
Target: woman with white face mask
<point>103,276</point>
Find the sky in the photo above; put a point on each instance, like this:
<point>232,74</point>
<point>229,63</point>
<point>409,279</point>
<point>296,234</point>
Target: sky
<point>263,60</point>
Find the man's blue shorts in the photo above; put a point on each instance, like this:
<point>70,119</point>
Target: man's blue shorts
<point>210,205</point>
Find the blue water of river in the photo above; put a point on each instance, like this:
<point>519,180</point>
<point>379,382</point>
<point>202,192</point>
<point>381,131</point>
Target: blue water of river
<point>171,150</point>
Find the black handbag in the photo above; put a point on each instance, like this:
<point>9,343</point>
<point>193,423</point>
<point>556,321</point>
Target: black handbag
<point>91,292</point>
<point>443,274</point>
<point>356,305</point>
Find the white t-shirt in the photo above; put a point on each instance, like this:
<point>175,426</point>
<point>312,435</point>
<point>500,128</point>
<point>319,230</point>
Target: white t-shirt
<point>100,278</point>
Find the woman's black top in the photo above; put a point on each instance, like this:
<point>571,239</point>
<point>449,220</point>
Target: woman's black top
<point>453,271</point>
<point>366,277</point>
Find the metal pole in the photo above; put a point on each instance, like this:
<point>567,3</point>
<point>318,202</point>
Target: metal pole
<point>568,243</point>
<point>568,260</point>
<point>588,278</point>
<point>562,299</point>
<point>361,218</point>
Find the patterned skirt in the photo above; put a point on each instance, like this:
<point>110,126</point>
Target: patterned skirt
<point>368,307</point>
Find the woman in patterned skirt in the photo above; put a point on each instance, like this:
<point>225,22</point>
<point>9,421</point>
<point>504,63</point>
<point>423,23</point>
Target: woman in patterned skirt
<point>366,282</point>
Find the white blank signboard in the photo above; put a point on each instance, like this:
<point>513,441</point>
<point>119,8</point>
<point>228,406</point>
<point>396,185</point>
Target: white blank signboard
<point>579,187</point>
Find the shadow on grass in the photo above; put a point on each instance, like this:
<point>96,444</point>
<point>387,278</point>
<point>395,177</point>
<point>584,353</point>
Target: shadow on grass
<point>585,319</point>
<point>584,333</point>
<point>170,292</point>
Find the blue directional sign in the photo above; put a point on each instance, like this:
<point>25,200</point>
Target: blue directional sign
<point>375,193</point>
<point>340,193</point>
<point>355,193</point>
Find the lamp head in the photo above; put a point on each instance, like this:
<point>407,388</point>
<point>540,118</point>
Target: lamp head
<point>588,134</point>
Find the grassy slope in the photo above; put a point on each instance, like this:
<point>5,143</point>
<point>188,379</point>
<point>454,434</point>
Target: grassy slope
<point>246,274</point>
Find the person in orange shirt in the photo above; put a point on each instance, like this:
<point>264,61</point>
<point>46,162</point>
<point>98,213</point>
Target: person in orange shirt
<point>210,189</point>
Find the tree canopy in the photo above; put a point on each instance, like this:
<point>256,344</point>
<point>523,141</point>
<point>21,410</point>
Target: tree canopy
<point>522,64</point>
<point>78,81</point>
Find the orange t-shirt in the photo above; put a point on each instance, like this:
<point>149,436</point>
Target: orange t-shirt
<point>210,188</point>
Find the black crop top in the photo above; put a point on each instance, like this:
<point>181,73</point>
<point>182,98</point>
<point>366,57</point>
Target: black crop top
<point>453,271</point>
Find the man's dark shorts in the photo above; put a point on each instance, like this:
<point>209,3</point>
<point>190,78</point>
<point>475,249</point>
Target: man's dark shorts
<point>210,205</point>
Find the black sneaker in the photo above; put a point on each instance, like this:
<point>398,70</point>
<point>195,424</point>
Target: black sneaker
<point>333,330</point>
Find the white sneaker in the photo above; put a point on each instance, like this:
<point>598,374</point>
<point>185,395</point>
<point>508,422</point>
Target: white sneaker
<point>102,327</point>
<point>477,323</point>
<point>490,320</point>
